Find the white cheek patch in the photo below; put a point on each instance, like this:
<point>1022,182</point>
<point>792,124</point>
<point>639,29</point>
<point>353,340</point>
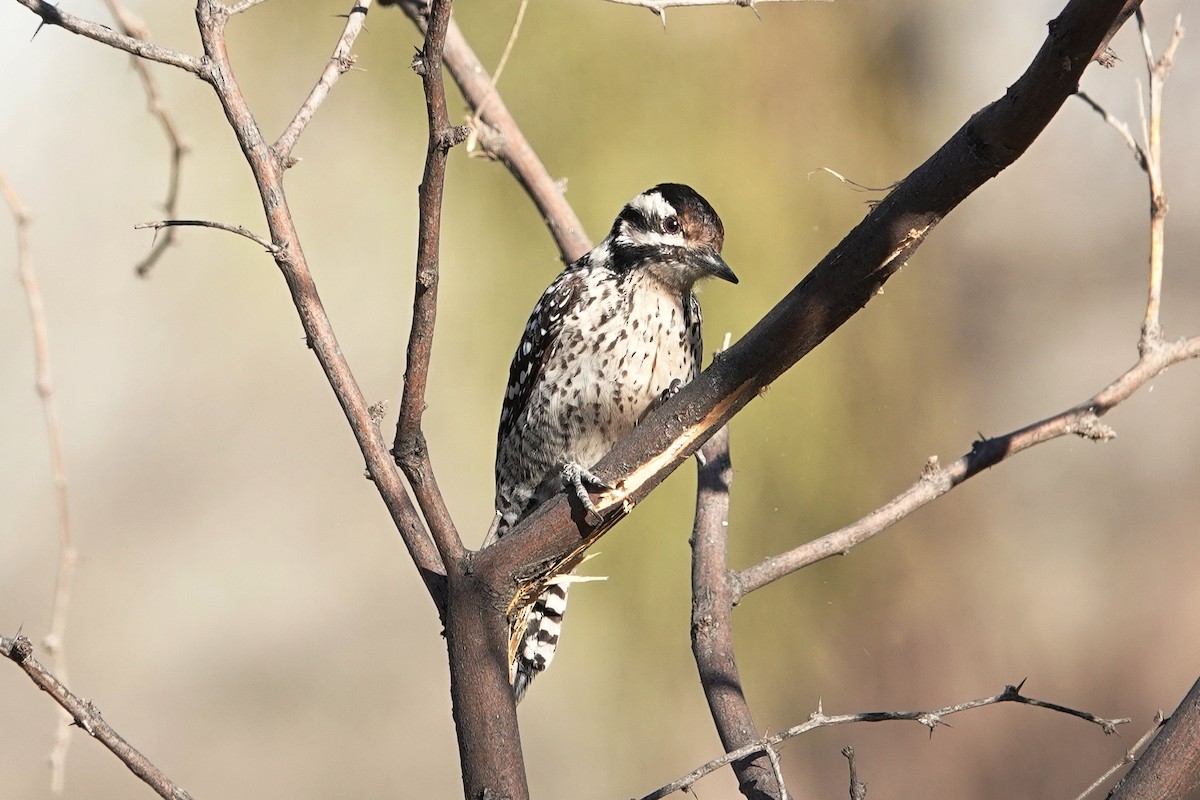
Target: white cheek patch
<point>654,209</point>
<point>652,238</point>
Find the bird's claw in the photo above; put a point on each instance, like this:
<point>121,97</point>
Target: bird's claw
<point>574,476</point>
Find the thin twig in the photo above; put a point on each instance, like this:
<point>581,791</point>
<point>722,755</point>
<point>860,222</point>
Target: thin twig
<point>504,140</point>
<point>131,25</point>
<point>340,62</point>
<point>474,122</point>
<point>930,719</point>
<point>1159,70</point>
<point>936,480</point>
<point>53,15</point>
<point>204,223</point>
<point>1119,126</point>
<point>659,7</point>
<point>1129,757</point>
<point>68,556</point>
<point>19,650</point>
<point>410,448</point>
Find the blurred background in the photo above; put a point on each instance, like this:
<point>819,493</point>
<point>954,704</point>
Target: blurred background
<point>244,611</point>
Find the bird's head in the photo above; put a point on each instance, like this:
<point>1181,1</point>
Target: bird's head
<point>674,233</point>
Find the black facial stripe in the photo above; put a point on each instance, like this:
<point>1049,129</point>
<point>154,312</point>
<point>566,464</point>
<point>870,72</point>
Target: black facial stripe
<point>627,256</point>
<point>634,217</point>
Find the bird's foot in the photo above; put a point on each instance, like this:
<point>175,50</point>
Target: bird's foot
<point>574,476</point>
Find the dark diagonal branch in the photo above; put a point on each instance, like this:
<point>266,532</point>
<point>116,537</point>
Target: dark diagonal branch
<point>1170,767</point>
<point>502,137</point>
<point>1156,355</point>
<point>410,448</point>
<point>840,285</point>
<point>712,622</point>
<point>19,650</point>
<point>930,719</point>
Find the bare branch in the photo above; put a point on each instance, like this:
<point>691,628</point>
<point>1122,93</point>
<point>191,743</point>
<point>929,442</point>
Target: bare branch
<point>410,448</point>
<point>19,650</point>
<point>930,719</point>
<point>68,556</point>
<point>712,623</point>
<point>1151,325</point>
<point>289,256</point>
<point>659,7</point>
<point>169,224</point>
<point>503,138</point>
<point>1129,757</point>
<point>52,15</point>
<point>1120,127</point>
<point>340,62</point>
<point>1170,767</point>
<point>1080,420</point>
<point>131,25</point>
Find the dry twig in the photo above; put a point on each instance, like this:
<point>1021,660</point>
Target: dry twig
<point>930,719</point>
<point>68,556</point>
<point>19,650</point>
<point>132,26</point>
<point>340,63</point>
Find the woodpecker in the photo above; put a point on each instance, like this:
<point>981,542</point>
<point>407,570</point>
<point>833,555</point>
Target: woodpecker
<point>616,332</point>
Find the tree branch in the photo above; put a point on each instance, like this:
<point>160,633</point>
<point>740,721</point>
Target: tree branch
<point>133,27</point>
<point>171,224</point>
<point>340,62</point>
<point>503,138</point>
<point>1156,355</point>
<point>19,650</point>
<point>1170,767</point>
<point>52,15</point>
<point>712,623</point>
<point>1080,420</point>
<point>211,17</point>
<point>68,556</point>
<point>410,448</point>
<point>930,719</point>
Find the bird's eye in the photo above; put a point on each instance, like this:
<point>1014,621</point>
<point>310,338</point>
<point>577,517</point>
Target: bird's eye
<point>670,225</point>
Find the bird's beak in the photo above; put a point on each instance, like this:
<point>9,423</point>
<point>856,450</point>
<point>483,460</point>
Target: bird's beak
<point>711,263</point>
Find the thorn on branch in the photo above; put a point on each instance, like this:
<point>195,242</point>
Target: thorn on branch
<point>417,64</point>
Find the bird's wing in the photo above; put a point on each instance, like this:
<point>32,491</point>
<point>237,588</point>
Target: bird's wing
<point>540,337</point>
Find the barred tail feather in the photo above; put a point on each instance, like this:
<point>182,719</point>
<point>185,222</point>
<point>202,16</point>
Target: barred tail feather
<point>541,638</point>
